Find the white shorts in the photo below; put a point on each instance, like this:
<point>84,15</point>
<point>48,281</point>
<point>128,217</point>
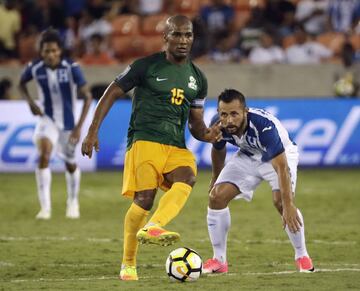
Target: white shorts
<point>46,128</point>
<point>246,173</point>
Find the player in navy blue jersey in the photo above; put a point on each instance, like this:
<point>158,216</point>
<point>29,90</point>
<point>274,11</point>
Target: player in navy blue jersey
<point>265,153</point>
<point>58,80</point>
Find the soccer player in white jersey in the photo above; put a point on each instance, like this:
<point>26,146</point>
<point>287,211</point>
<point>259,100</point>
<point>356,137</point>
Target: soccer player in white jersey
<point>265,153</point>
<point>58,80</point>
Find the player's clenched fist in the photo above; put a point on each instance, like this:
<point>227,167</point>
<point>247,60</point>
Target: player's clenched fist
<point>89,142</point>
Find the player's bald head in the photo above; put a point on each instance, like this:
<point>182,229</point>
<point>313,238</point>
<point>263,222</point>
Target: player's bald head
<point>176,21</point>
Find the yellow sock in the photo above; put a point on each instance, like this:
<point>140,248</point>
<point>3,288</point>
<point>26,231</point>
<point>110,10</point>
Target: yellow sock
<point>171,203</point>
<point>135,219</point>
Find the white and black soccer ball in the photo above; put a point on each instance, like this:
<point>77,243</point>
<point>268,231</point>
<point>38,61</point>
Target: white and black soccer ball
<point>183,265</point>
<point>344,87</point>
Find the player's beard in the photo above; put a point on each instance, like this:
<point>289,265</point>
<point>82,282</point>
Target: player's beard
<point>232,129</point>
<point>236,130</point>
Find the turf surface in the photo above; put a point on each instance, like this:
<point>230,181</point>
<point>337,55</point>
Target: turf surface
<point>85,254</point>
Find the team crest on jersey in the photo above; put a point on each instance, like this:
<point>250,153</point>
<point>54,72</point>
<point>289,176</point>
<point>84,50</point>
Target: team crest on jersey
<point>192,83</point>
<point>63,76</point>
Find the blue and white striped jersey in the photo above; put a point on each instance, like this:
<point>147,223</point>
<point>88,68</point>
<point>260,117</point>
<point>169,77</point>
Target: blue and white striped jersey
<point>264,137</point>
<point>57,89</point>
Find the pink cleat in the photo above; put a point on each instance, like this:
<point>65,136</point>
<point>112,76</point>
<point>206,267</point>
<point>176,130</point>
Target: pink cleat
<point>305,265</point>
<point>215,266</point>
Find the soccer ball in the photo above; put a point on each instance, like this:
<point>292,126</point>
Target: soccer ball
<point>344,87</point>
<point>183,264</point>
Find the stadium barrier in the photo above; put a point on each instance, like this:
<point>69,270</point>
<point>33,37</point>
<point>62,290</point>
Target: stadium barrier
<point>327,132</point>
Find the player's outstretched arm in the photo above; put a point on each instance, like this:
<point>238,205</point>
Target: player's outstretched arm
<point>26,95</point>
<point>199,130</point>
<point>111,93</point>
<point>290,215</point>
<point>217,163</point>
<point>75,134</point>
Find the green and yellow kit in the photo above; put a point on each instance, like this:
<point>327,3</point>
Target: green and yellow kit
<point>163,95</point>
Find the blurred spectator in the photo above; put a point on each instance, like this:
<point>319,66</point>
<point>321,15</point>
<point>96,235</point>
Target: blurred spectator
<point>267,52</point>
<point>44,14</point>
<point>121,7</point>
<point>280,15</point>
<point>347,78</point>
<point>97,52</point>
<point>74,8</point>
<point>6,89</point>
<point>312,15</point>
<point>251,32</point>
<point>10,24</point>
<point>343,15</point>
<point>89,26</point>
<point>305,51</point>
<point>200,43</point>
<point>151,7</point>
<point>217,18</point>
<point>225,50</point>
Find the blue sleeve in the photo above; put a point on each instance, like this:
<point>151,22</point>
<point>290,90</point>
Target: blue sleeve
<point>220,144</point>
<point>78,75</point>
<point>272,143</point>
<point>26,74</point>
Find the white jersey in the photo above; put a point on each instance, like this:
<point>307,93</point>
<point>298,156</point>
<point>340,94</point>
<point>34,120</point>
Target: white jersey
<point>264,137</point>
<point>57,89</point>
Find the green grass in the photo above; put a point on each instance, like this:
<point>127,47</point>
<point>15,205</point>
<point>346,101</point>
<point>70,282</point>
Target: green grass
<point>61,254</point>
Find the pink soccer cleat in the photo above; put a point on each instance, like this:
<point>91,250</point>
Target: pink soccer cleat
<point>215,266</point>
<point>305,265</point>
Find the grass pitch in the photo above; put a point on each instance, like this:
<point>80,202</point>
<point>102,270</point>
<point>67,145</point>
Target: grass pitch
<point>85,254</point>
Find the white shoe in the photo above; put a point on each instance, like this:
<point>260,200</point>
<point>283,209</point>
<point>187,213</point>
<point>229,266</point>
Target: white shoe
<point>43,214</point>
<point>72,210</point>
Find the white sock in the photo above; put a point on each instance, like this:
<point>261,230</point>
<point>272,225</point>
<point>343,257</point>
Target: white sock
<point>298,239</point>
<point>218,226</point>
<point>73,185</point>
<point>43,181</point>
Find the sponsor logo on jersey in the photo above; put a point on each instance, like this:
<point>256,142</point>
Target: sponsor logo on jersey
<point>192,83</point>
<point>267,128</point>
<point>161,79</point>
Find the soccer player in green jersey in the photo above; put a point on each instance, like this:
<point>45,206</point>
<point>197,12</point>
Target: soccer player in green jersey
<point>169,90</point>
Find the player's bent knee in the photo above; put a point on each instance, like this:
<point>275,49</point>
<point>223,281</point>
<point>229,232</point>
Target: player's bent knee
<point>190,180</point>
<point>145,199</point>
<point>216,199</point>
<point>44,159</point>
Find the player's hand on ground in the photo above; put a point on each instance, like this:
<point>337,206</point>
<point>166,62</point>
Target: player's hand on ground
<point>75,135</point>
<point>90,142</point>
<point>291,218</point>
<point>214,133</point>
<point>35,109</point>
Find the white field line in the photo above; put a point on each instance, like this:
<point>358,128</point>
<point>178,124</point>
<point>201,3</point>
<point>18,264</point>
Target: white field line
<point>108,240</point>
<point>282,273</point>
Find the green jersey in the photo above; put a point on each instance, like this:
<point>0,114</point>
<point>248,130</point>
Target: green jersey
<point>163,95</point>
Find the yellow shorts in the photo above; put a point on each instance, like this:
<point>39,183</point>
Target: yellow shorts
<point>146,162</point>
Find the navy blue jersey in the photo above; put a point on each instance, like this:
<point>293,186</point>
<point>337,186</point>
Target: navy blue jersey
<point>57,89</point>
<point>264,137</point>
